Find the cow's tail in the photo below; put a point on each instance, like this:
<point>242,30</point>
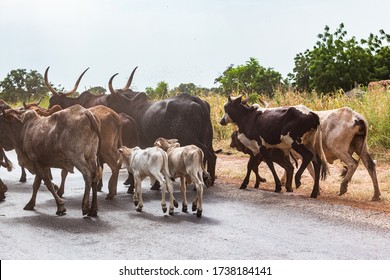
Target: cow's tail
<point>165,170</point>
<point>8,164</point>
<point>205,175</point>
<point>320,152</point>
<point>95,123</point>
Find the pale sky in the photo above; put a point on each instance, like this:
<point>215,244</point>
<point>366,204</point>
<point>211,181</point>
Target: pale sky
<point>176,41</point>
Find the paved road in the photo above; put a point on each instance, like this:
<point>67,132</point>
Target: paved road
<point>236,224</point>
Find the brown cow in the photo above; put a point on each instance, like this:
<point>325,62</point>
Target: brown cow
<point>111,133</point>
<point>42,143</point>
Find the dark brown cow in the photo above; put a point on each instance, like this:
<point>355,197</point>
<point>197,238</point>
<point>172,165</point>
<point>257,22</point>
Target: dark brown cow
<point>8,147</point>
<point>85,99</point>
<point>42,143</point>
<point>6,163</point>
<point>282,128</point>
<point>183,117</point>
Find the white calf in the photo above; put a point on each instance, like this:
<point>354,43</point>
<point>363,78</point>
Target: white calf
<point>187,164</point>
<point>150,162</point>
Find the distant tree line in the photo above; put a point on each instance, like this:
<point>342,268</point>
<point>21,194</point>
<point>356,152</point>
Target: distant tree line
<point>334,63</point>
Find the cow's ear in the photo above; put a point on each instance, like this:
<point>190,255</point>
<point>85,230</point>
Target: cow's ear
<point>172,141</point>
<point>237,100</point>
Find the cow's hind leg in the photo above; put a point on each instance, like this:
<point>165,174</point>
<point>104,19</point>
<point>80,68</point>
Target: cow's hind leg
<point>351,168</point>
<point>307,157</point>
<point>268,160</point>
<point>183,190</point>
<point>370,166</point>
<point>317,170</point>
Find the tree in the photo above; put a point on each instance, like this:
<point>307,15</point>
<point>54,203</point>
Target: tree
<point>160,92</point>
<point>20,85</point>
<point>97,90</point>
<point>336,62</point>
<point>249,78</point>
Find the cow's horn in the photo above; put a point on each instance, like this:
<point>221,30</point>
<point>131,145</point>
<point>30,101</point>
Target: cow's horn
<point>110,87</point>
<point>76,84</point>
<point>265,104</point>
<point>130,80</point>
<point>48,85</point>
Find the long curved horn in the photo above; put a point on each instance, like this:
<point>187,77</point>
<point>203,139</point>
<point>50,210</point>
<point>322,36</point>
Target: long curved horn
<point>76,84</point>
<point>54,92</point>
<point>110,87</point>
<point>48,85</point>
<point>130,80</point>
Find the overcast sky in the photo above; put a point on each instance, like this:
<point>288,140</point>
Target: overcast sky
<point>176,41</point>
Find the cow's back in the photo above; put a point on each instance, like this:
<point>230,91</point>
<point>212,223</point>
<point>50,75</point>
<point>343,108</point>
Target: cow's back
<point>62,138</point>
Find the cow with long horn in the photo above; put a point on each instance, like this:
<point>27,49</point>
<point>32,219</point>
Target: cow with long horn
<point>183,117</point>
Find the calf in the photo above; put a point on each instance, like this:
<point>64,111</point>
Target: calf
<point>185,163</point>
<point>150,162</point>
<point>276,155</point>
<point>284,128</point>
<point>66,139</point>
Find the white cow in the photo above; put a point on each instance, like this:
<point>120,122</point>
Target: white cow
<point>185,163</point>
<point>150,162</point>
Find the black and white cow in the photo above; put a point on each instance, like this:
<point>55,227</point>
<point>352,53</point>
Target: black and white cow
<point>285,128</point>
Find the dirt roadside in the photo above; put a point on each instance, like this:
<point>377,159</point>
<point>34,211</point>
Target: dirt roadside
<point>231,170</point>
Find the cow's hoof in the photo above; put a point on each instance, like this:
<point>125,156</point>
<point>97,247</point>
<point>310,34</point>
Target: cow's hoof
<point>376,198</point>
<point>243,186</point>
<point>263,180</point>
<point>171,211</point>
<point>110,196</point>
<point>29,206</point>
<point>256,186</point>
<point>135,203</point>
<point>139,209</point>
<point>289,190</point>
<point>199,213</point>
<point>2,196</point>
<point>85,211</point>
<point>164,209</point>
<point>175,203</point>
<point>23,180</point>
<point>313,195</point>
<point>194,207</point>
<point>127,182</point>
<point>130,190</point>
<point>184,209</point>
<point>92,213</point>
<point>298,183</point>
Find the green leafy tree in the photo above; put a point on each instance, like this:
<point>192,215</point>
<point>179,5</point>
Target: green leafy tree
<point>97,90</point>
<point>20,85</point>
<point>336,62</point>
<point>160,92</point>
<point>249,78</point>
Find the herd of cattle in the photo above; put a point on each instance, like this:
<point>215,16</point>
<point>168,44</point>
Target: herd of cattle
<point>169,139</point>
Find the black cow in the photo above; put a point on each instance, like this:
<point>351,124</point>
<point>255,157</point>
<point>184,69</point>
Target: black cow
<point>284,128</point>
<point>183,117</point>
